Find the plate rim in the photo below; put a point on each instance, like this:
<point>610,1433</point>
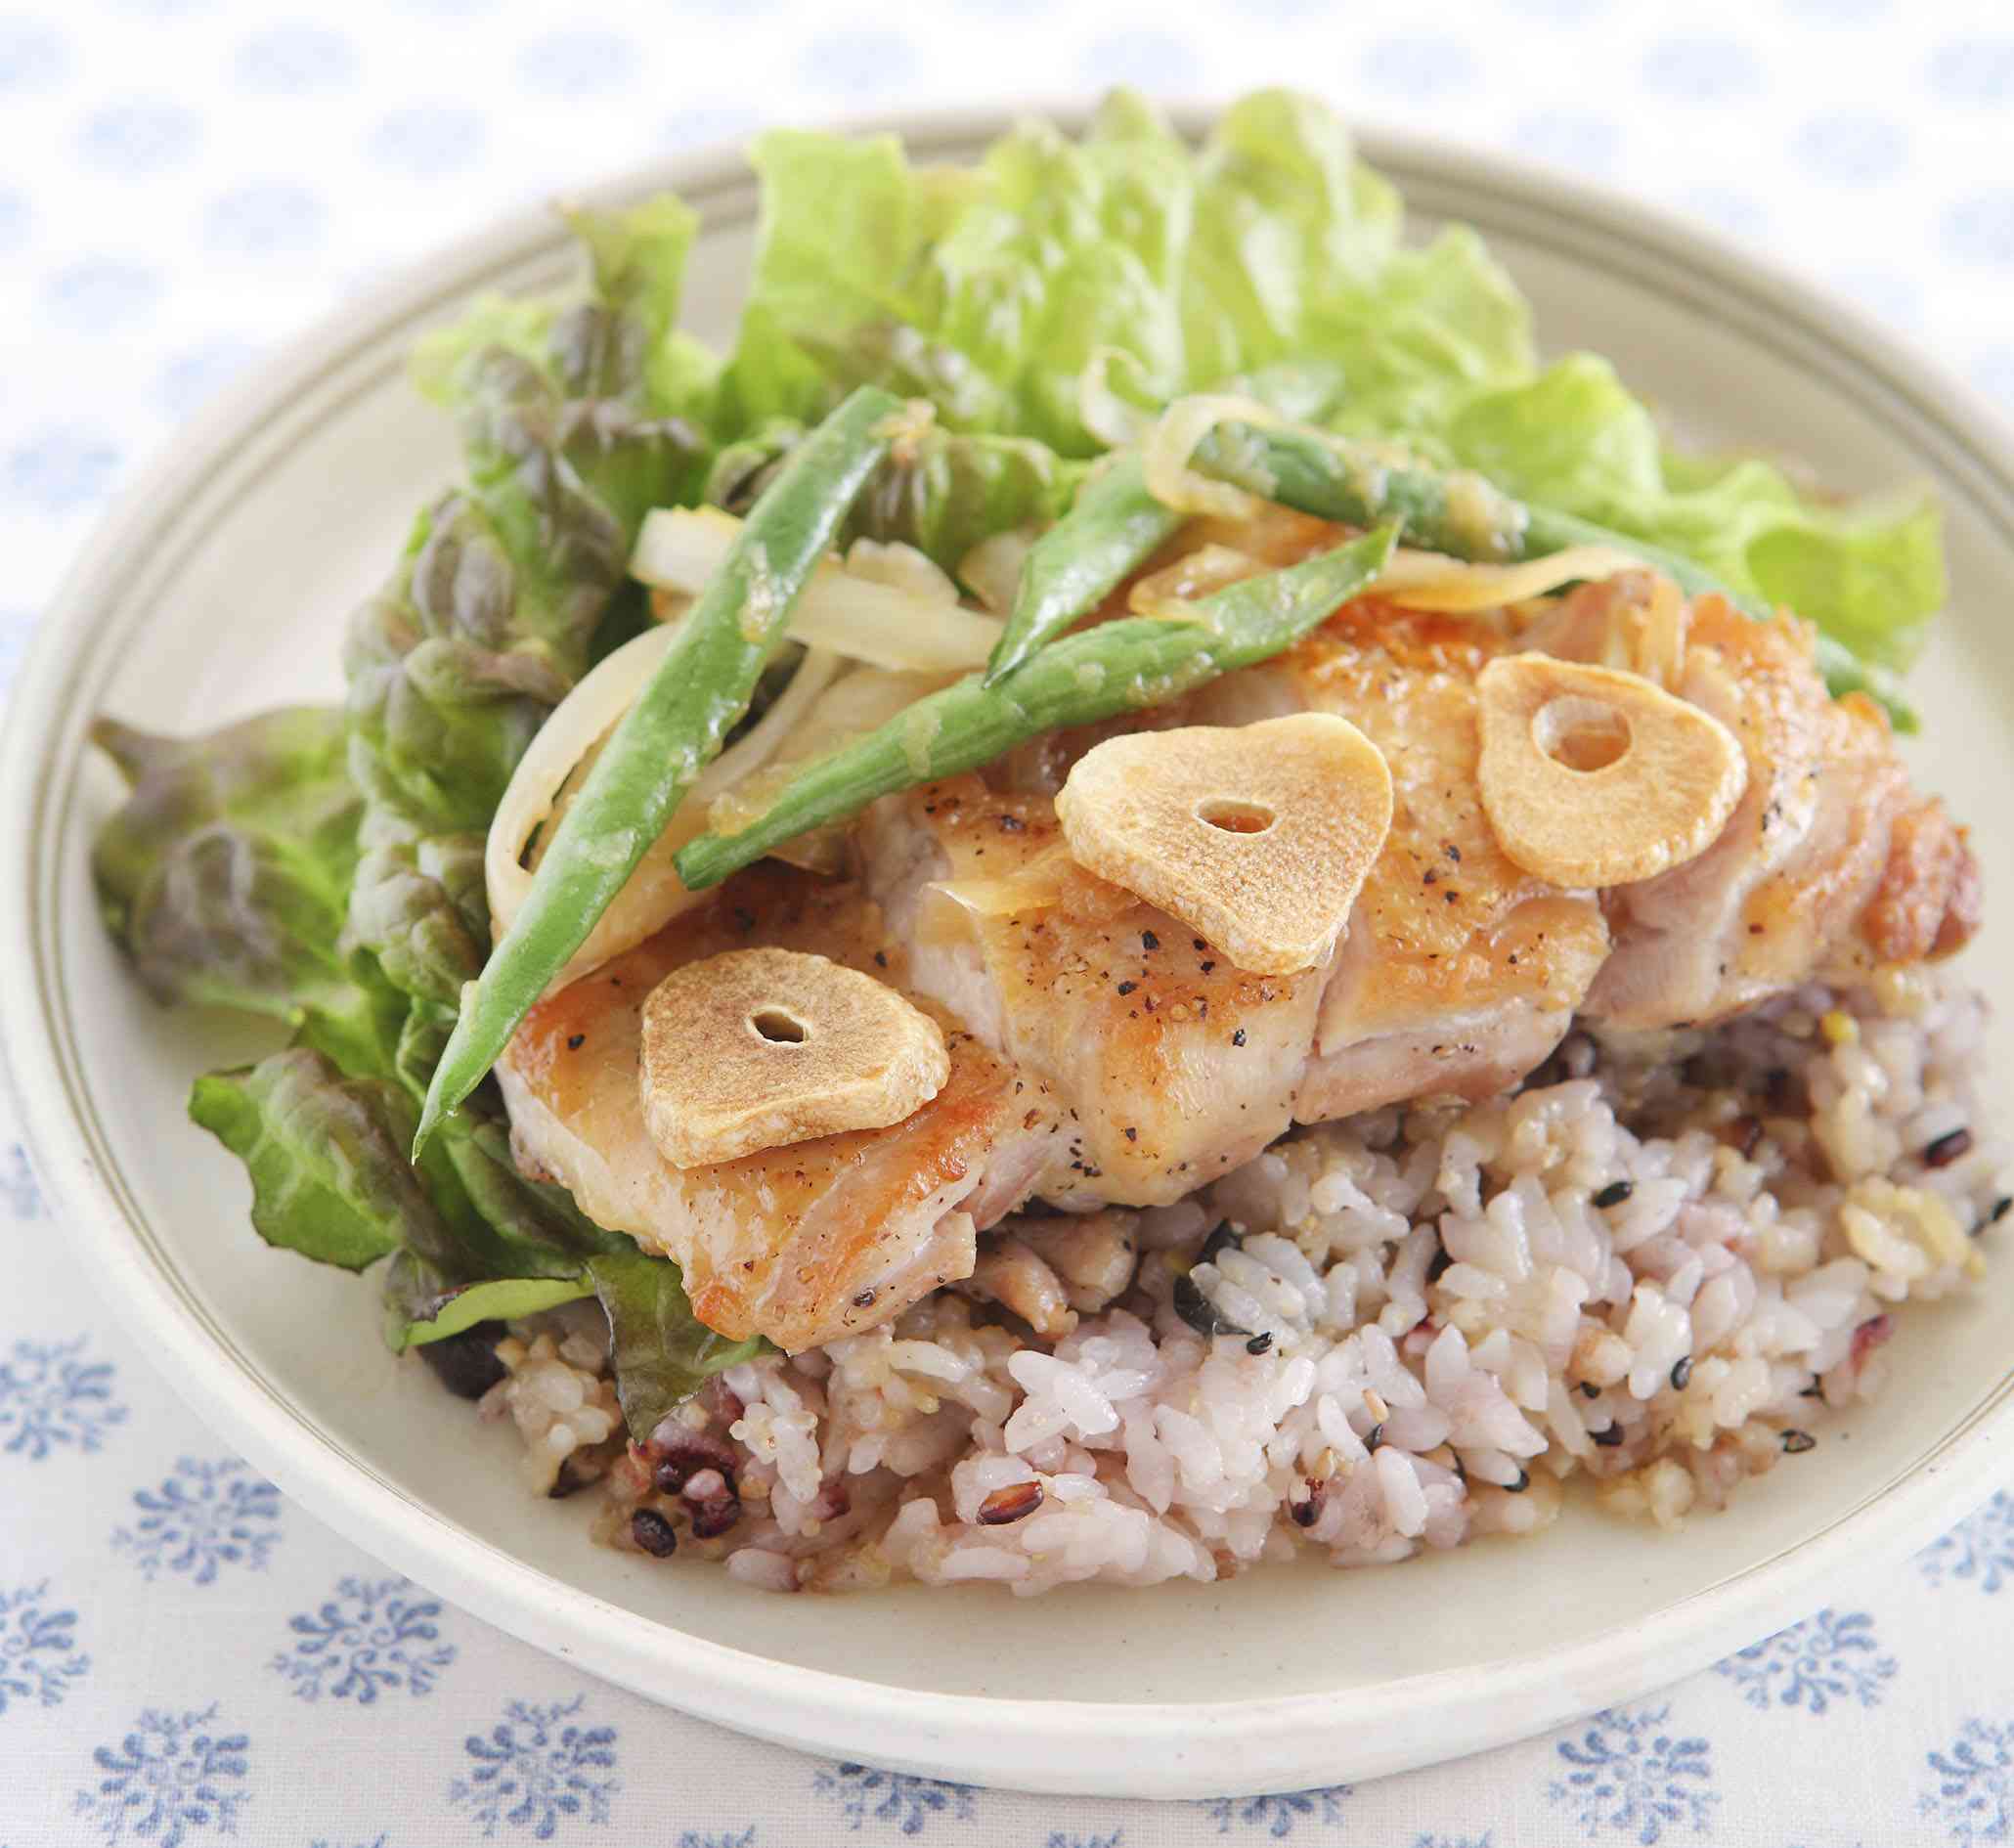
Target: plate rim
<point>1066,1747</point>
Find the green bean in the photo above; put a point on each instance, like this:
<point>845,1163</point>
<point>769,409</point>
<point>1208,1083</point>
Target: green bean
<point>1113,524</point>
<point>1342,478</point>
<point>701,689</point>
<point>1119,666</point>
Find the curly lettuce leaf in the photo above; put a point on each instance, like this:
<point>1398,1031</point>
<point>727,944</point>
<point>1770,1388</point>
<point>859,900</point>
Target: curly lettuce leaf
<point>224,876</point>
<point>1573,437</point>
<point>1268,261</point>
<point>663,1353</point>
<point>330,1173</point>
<point>505,588</point>
<point>941,492</point>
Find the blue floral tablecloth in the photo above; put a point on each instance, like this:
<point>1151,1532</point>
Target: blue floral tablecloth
<point>183,1657</point>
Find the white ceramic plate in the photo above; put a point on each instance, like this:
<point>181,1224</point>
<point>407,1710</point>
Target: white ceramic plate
<point>222,584</point>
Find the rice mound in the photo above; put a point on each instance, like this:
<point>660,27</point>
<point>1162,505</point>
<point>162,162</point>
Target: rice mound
<point>1657,1265</point>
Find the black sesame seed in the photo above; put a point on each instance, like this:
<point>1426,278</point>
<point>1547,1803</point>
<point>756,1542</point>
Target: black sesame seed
<point>1797,1442</point>
<point>1608,1437</point>
<point>1132,1134</point>
<point>1999,1208</point>
<point>880,960</point>
<point>575,1042</point>
<point>1948,1148</point>
<point>653,1533</point>
<point>1814,1390</point>
<point>1306,1514</point>
<point>1238,1040</point>
<point>1454,853</point>
<point>1259,1342</point>
<point>1523,1483</point>
<point>1375,1436</point>
<point>1590,1391</point>
<point>1012,824</point>
<point>1148,940</point>
<point>1126,988</point>
<point>1682,1373</point>
<point>1615,1193</point>
<point>1438,1263</point>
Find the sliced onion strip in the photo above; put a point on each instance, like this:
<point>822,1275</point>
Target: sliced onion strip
<point>654,893</point>
<point>893,609</point>
<point>1165,455</point>
<point>1428,581</point>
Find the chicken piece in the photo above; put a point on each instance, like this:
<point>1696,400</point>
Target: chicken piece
<point>806,1243</point>
<point>1830,864</point>
<point>1172,1066</point>
<point>1458,972</point>
<point>1008,1273</point>
<point>1094,1254</point>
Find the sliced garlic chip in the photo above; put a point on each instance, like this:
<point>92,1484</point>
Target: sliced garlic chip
<point>1258,837</point>
<point>758,1048</point>
<point>1592,776</point>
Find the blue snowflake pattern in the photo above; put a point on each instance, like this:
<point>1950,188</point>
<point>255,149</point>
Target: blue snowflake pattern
<point>58,469</point>
<point>532,1768</point>
<point>862,64</point>
<point>1700,70</point>
<point>19,1193</point>
<point>38,1652</point>
<point>369,1640</point>
<point>31,56</point>
<point>378,1843</point>
<point>167,1779</point>
<point>138,137</point>
<point>1419,66</point>
<point>206,1515</point>
<point>1057,1839</point>
<point>1979,1548</point>
<point>1826,1659</point>
<point>50,1397</point>
<point>100,295</point>
<point>1974,1798</point>
<point>1280,1815</point>
<point>1150,59</point>
<point>1975,70</point>
<point>1853,149</point>
<point>692,1838</point>
<point>893,1796</point>
<point>1632,1777</point>
<point>428,141</point>
<point>266,220</point>
<point>287,60</point>
<point>1981,229</point>
<point>579,62</point>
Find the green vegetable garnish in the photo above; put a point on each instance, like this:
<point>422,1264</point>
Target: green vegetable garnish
<point>699,691</point>
<point>1122,665</point>
<point>1349,479</point>
<point>1109,528</point>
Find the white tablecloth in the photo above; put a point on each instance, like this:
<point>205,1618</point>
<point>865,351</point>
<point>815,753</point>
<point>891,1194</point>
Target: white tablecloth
<point>183,1655</point>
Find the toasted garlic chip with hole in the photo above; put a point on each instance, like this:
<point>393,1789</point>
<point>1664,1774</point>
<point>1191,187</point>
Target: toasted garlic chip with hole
<point>1258,837</point>
<point>1590,776</point>
<point>756,1048</point>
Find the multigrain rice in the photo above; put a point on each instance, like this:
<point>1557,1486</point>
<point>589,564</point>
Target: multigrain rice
<point>1657,1268</point>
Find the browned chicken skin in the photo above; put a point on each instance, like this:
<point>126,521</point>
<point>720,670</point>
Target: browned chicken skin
<point>1102,1054</point>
